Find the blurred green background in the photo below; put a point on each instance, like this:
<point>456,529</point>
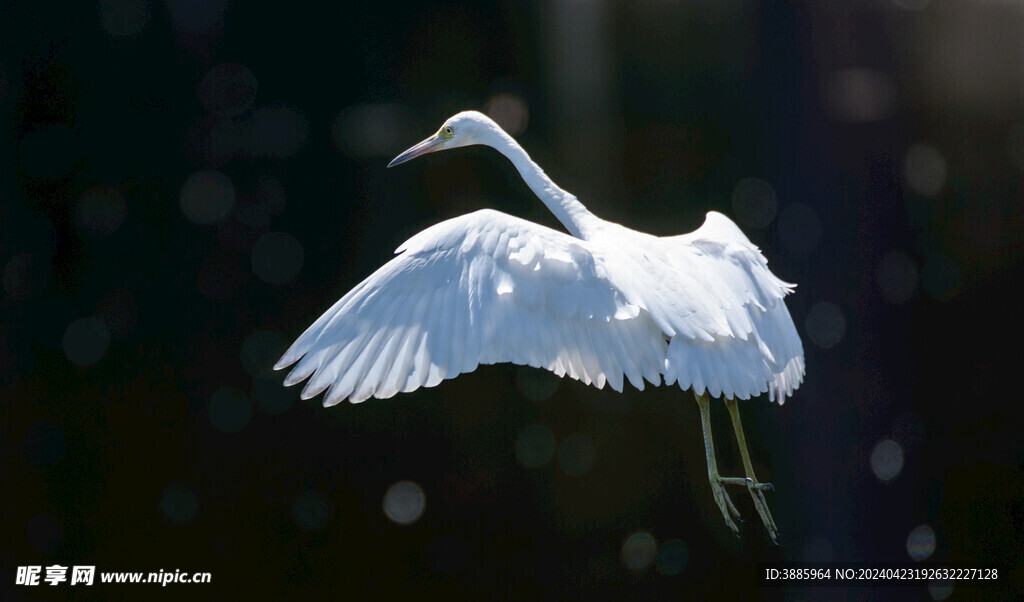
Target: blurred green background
<point>187,185</point>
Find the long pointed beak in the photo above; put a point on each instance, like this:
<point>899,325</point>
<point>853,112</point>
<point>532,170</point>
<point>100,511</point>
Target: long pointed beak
<point>427,146</point>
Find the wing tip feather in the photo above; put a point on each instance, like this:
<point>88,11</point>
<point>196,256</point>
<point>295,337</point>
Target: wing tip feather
<point>285,361</point>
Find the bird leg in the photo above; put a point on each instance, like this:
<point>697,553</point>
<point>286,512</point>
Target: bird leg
<point>755,488</point>
<point>717,483</point>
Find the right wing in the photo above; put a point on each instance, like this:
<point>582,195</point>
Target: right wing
<point>482,288</point>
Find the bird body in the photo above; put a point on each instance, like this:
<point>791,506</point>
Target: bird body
<point>700,310</point>
<point>601,304</point>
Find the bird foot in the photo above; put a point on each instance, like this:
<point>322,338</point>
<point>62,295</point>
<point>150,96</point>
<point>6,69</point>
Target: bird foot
<point>725,504</point>
<point>756,490</point>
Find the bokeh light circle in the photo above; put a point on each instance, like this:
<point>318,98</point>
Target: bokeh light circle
<point>940,590</point>
<point>887,460</point>
<point>921,543</point>
<point>536,384</point>
<point>754,202</point>
<point>178,503</point>
<point>673,556</point>
<point>509,111</point>
<point>924,168</point>
<point>404,502</point>
<point>371,130</point>
<point>639,551</point>
<point>86,341</point>
<point>535,446</point>
<point>207,196</point>
<point>860,95</point>
<point>825,325</point>
<point>818,549</point>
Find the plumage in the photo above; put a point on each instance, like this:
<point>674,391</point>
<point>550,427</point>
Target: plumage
<point>464,285</point>
<point>466,289</point>
<point>602,304</point>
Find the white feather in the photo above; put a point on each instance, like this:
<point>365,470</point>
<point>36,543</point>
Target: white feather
<point>458,295</point>
<point>604,304</point>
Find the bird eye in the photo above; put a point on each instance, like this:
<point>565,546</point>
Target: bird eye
<point>448,130</point>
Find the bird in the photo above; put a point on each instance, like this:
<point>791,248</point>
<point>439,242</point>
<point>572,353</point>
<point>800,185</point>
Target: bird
<point>600,303</point>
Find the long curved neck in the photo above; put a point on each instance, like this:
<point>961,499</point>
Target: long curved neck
<point>576,218</point>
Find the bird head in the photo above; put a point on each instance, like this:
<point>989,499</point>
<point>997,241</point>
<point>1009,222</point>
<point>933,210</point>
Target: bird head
<point>461,129</point>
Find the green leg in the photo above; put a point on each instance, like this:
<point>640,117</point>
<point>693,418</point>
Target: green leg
<point>755,488</point>
<point>717,489</point>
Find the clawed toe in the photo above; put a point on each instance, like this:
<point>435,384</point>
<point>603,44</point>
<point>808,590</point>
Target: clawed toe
<point>718,483</point>
<point>724,502</point>
<point>756,490</point>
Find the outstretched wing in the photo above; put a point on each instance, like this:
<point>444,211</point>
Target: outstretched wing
<point>483,288</point>
<point>712,291</point>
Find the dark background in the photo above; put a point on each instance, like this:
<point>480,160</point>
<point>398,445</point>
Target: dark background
<point>187,185</point>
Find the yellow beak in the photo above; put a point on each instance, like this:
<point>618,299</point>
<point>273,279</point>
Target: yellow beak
<point>427,146</point>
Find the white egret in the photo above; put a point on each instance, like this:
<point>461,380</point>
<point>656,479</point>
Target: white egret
<point>700,310</point>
